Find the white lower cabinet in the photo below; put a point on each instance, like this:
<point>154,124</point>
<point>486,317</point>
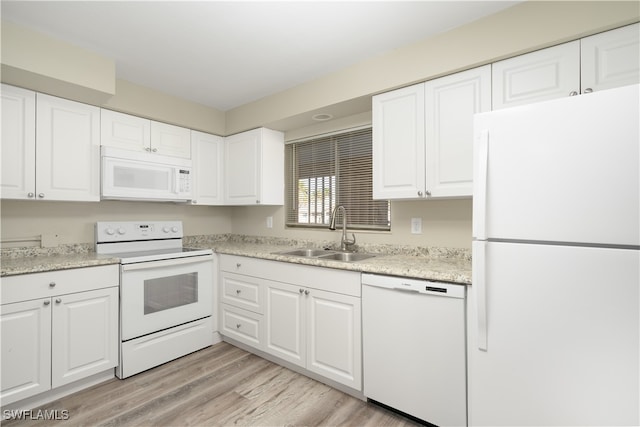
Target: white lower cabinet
<point>57,328</point>
<point>307,316</point>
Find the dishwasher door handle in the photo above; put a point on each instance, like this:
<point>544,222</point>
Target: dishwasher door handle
<point>399,288</point>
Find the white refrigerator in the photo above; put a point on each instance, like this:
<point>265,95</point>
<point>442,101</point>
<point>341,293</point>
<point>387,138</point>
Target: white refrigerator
<point>553,312</point>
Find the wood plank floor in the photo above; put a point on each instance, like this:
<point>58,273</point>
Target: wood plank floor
<point>219,386</point>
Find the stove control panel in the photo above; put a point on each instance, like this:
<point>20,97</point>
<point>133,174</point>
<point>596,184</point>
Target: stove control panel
<point>126,231</point>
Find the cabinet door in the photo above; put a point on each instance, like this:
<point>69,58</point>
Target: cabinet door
<point>84,334</point>
<point>451,102</point>
<point>124,131</point>
<point>611,59</point>
<point>243,168</point>
<point>208,152</point>
<point>18,143</point>
<point>398,144</point>
<point>67,150</point>
<point>538,76</point>
<point>285,316</point>
<point>26,349</point>
<point>334,337</point>
<point>170,140</point>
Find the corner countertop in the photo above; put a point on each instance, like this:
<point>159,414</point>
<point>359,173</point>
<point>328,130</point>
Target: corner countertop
<point>438,264</point>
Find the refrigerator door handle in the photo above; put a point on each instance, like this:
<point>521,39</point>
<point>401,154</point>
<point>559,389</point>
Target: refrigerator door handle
<point>480,186</point>
<point>480,286</point>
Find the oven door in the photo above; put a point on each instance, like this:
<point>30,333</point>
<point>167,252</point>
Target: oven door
<point>157,295</point>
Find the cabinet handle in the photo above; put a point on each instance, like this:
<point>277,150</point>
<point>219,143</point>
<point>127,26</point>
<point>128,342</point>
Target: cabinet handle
<point>427,193</point>
<point>52,284</point>
<point>238,325</point>
<point>573,93</point>
<point>257,201</point>
<point>41,195</point>
<point>306,292</point>
<point>301,290</point>
<point>30,195</point>
<point>238,291</point>
<point>419,193</point>
<point>47,302</point>
<point>58,300</point>
<point>155,150</point>
<point>238,265</point>
<point>148,148</point>
<point>588,90</point>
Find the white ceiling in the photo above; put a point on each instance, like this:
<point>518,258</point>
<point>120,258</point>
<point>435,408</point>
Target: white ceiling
<point>228,53</point>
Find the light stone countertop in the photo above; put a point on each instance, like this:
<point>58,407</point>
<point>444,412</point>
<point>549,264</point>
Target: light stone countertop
<point>438,264</point>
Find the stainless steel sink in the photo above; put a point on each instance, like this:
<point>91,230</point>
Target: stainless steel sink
<point>311,253</point>
<point>346,256</point>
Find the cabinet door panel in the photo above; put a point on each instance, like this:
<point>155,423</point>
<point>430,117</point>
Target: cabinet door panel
<point>18,143</point>
<point>611,59</point>
<point>242,325</point>
<point>124,131</point>
<point>538,76</point>
<point>170,140</point>
<point>334,337</point>
<point>68,150</point>
<point>398,144</point>
<point>242,168</point>
<point>25,328</point>
<point>451,102</point>
<point>85,334</point>
<point>285,322</point>
<point>208,158</point>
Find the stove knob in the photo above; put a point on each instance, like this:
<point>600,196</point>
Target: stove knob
<point>121,231</point>
<point>166,229</point>
<point>110,231</point>
<point>174,229</point>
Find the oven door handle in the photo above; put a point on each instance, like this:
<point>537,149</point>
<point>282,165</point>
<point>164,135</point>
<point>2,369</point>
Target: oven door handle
<point>166,262</point>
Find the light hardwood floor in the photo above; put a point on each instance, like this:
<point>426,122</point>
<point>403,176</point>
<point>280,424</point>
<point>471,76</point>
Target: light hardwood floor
<point>218,386</point>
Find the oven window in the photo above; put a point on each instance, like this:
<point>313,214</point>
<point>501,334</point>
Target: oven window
<point>165,293</point>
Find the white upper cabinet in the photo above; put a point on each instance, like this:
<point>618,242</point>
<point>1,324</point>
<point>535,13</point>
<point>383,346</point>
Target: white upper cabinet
<point>538,76</point>
<point>254,168</point>
<point>398,144</point>
<point>170,140</point>
<point>18,143</point>
<point>423,136</point>
<point>611,59</point>
<point>602,61</point>
<point>57,156</point>
<point>139,134</point>
<point>451,102</point>
<point>67,150</point>
<point>208,157</point>
<point>124,131</point>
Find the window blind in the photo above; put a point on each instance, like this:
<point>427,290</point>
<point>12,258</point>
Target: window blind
<point>333,170</point>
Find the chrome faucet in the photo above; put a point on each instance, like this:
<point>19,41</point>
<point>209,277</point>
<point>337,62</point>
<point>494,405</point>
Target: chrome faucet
<point>344,242</point>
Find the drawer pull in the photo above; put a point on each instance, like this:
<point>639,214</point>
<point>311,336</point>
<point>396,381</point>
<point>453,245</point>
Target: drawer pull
<point>238,265</point>
<point>238,291</point>
<point>52,284</point>
<point>238,325</point>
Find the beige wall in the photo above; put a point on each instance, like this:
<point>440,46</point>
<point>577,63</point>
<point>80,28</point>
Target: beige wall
<point>73,222</point>
<point>523,28</point>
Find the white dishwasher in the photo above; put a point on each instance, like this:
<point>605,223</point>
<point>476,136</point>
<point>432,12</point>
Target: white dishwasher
<point>414,347</point>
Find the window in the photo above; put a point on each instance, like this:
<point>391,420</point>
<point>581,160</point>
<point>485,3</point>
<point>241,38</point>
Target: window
<point>333,170</point>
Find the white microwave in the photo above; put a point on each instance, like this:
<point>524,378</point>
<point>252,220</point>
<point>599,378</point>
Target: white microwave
<point>131,175</point>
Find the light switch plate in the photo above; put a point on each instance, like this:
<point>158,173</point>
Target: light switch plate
<point>416,225</point>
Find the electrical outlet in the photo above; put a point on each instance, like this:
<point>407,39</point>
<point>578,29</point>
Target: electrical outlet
<point>416,225</point>
<point>269,222</point>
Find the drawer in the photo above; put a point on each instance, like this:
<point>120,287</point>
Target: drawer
<point>308,276</point>
<point>242,325</point>
<point>242,291</point>
<point>51,283</point>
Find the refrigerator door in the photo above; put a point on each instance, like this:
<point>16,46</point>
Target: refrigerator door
<point>559,336</point>
<point>563,171</point>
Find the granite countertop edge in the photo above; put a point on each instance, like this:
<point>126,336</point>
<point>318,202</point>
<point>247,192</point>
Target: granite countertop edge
<point>438,264</point>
